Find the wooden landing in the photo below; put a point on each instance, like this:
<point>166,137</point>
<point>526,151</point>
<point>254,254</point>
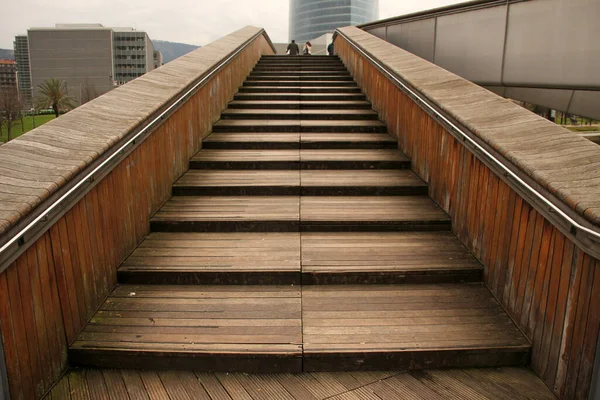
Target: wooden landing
<point>464,384</point>
<point>258,328</point>
<point>203,328</point>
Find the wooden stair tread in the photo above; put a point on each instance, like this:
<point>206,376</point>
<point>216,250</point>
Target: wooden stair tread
<point>299,155</point>
<point>299,113</point>
<point>298,122</point>
<point>384,251</point>
<point>317,324</point>
<point>246,155</point>
<point>203,178</point>
<point>346,137</point>
<point>308,209</point>
<point>231,252</point>
<point>224,208</point>
<point>254,137</point>
<point>193,325</point>
<point>370,208</point>
<point>408,325</point>
<point>349,103</point>
<point>352,154</point>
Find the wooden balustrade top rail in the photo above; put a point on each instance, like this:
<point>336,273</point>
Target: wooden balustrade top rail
<point>42,166</point>
<point>553,161</point>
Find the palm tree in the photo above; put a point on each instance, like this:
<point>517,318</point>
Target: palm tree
<point>53,94</point>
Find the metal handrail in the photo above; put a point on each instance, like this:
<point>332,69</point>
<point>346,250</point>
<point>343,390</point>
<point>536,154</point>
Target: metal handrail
<point>89,177</point>
<point>466,137</point>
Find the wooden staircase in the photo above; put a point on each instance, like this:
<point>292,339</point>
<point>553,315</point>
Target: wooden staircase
<point>300,240</point>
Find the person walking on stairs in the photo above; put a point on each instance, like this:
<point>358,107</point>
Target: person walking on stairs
<point>307,51</point>
<point>293,49</point>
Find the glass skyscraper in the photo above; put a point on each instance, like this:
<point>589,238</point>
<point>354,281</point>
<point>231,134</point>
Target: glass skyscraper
<point>310,19</point>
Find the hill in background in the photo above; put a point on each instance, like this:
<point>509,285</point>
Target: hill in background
<point>6,54</point>
<point>172,50</point>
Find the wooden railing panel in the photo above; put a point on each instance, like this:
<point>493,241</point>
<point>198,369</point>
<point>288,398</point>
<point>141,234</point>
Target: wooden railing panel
<point>50,292</point>
<point>547,284</point>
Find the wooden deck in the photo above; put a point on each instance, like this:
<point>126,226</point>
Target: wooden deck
<point>463,384</point>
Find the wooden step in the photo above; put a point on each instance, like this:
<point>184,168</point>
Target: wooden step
<point>215,259</point>
<point>302,83</point>
<point>277,258</point>
<point>295,140</point>
<point>361,183</point>
<point>313,114</point>
<point>371,213</point>
<point>228,214</point>
<point>296,183</point>
<point>386,258</point>
<point>285,329</point>
<point>296,70</point>
<point>301,105</point>
<point>294,213</point>
<point>299,159</point>
<point>246,159</point>
<point>298,89</point>
<point>299,73</point>
<point>297,125</point>
<point>253,141</point>
<point>299,78</point>
<point>201,328</point>
<point>353,159</point>
<point>375,327</point>
<point>348,141</point>
<point>301,96</point>
<point>238,183</point>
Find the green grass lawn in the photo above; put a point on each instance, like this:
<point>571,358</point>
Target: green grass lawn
<point>576,128</point>
<point>18,130</point>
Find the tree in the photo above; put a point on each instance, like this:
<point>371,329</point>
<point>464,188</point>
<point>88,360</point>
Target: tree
<point>87,91</point>
<point>53,94</point>
<point>11,105</point>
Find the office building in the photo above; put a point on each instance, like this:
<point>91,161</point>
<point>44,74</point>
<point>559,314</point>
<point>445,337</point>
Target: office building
<point>310,19</point>
<point>21,47</point>
<point>8,75</point>
<point>90,58</point>
<point>133,54</point>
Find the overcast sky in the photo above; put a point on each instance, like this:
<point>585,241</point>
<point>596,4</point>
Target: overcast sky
<point>196,22</point>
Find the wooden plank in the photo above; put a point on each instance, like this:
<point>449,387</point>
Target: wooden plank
<point>345,343</point>
<point>9,339</point>
<point>27,361</point>
<point>135,387</point>
<point>354,257</point>
<point>183,344</point>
